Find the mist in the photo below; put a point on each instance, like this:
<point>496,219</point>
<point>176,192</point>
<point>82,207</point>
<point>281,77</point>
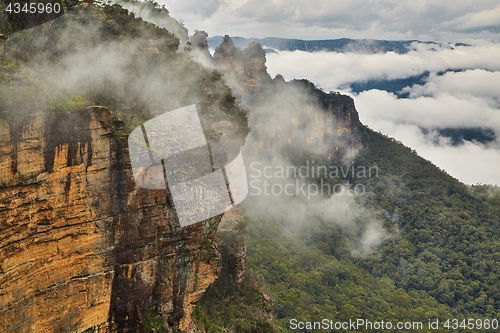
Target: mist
<point>158,16</point>
<point>289,128</point>
<point>138,79</point>
<point>461,91</point>
<point>73,64</point>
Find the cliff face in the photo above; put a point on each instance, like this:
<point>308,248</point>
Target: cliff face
<point>3,38</point>
<point>244,70</point>
<point>232,235</point>
<point>238,301</point>
<point>308,117</point>
<point>55,241</point>
<point>199,49</point>
<point>81,247</point>
<point>333,118</point>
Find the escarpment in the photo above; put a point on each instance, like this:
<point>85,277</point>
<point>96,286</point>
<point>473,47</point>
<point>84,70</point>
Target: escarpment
<point>308,118</point>
<point>83,248</point>
<point>244,70</point>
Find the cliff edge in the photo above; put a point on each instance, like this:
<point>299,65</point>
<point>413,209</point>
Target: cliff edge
<point>82,247</point>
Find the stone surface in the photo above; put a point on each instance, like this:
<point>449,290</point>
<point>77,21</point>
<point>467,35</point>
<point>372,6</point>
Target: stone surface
<point>321,119</point>
<point>81,247</point>
<point>232,235</point>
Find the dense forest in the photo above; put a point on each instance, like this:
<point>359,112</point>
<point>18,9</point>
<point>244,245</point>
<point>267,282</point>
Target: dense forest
<point>441,261</point>
<point>437,259</point>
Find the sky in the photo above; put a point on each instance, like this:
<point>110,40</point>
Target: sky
<point>470,98</point>
<point>444,20</point>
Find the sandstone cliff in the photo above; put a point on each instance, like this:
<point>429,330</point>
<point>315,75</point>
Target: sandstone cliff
<point>3,39</point>
<point>238,301</point>
<point>244,70</point>
<point>82,248</point>
<point>326,123</point>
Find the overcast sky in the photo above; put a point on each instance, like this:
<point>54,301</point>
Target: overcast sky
<point>445,20</point>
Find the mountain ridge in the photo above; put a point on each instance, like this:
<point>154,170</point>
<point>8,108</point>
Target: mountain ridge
<point>332,45</point>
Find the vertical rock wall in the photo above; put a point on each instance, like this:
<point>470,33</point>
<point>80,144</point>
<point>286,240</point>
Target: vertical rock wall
<point>81,247</point>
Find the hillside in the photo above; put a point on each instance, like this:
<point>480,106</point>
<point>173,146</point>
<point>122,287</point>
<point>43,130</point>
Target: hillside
<point>438,262</point>
<point>331,45</point>
<point>417,245</point>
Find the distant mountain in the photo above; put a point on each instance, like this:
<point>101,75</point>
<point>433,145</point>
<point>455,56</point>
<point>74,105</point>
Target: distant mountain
<point>333,45</point>
<point>459,135</point>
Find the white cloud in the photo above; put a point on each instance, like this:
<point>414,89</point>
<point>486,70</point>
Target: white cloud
<point>385,19</point>
<point>331,70</point>
<point>443,110</point>
<point>467,84</point>
<point>471,163</point>
<point>456,99</point>
<point>489,18</point>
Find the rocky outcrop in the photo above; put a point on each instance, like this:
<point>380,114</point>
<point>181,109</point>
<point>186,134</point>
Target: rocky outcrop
<point>3,39</point>
<point>199,49</point>
<point>55,240</point>
<point>239,300</point>
<point>312,119</point>
<point>232,235</point>
<point>337,120</point>
<point>244,70</point>
<point>81,247</point>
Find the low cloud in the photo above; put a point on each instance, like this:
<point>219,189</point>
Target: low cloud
<point>470,83</point>
<point>487,19</point>
<point>467,95</point>
<point>331,70</point>
<point>442,110</point>
<point>470,162</point>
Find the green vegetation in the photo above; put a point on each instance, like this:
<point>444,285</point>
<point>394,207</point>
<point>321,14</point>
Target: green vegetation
<point>440,262</point>
<point>235,303</point>
<point>451,239</point>
<point>103,55</point>
<point>152,321</point>
<point>235,307</point>
<point>67,104</point>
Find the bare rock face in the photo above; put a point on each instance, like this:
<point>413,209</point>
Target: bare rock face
<point>56,262</point>
<point>232,235</point>
<point>244,70</point>
<point>326,123</point>
<point>3,39</point>
<point>199,49</point>
<point>81,247</point>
